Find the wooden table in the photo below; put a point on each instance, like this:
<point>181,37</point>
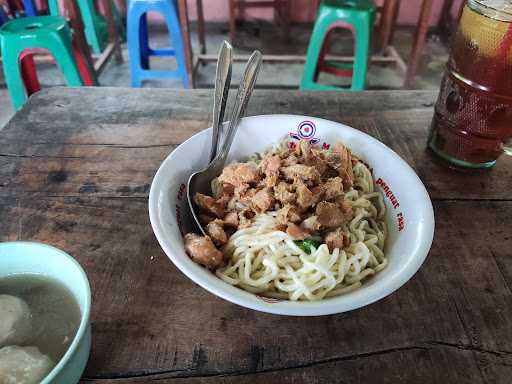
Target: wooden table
<point>75,172</point>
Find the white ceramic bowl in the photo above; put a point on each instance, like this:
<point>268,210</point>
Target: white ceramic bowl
<point>410,216</point>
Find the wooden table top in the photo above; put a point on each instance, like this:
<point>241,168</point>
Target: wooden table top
<point>75,171</point>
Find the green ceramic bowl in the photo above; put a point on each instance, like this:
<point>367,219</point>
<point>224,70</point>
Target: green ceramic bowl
<point>26,257</point>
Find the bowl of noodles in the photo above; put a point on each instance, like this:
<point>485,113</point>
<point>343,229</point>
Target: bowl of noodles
<point>309,217</point>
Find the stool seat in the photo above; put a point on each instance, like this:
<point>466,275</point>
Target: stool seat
<point>138,43</point>
<point>355,15</point>
<point>19,36</point>
<point>33,27</point>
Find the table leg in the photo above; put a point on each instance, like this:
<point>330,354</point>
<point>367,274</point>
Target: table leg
<point>185,31</point>
<point>419,43</point>
<point>200,27</point>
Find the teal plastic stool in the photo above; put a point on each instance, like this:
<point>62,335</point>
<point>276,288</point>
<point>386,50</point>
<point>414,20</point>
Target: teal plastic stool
<point>95,25</point>
<point>356,15</point>
<point>30,33</point>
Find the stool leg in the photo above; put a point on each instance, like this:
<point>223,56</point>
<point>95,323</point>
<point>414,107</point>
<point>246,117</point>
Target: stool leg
<point>53,7</point>
<point>29,73</point>
<point>86,70</point>
<point>63,54</point>
<point>134,44</point>
<point>3,16</point>
<point>86,10</point>
<point>13,77</point>
<point>324,51</point>
<point>144,41</point>
<point>30,8</point>
<point>362,51</point>
<point>313,54</point>
<point>81,49</point>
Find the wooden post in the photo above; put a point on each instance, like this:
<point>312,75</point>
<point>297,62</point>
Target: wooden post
<point>396,12</point>
<point>419,43</point>
<point>187,47</point>
<point>200,27</point>
<point>232,20</point>
<point>388,22</point>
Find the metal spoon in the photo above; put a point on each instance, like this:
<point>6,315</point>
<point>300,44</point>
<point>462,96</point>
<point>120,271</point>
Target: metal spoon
<point>201,181</point>
<point>222,83</point>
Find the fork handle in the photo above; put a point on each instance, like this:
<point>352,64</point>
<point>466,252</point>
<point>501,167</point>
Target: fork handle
<point>242,99</point>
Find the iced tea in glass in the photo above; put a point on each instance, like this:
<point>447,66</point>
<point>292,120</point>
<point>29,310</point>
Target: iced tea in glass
<point>472,124</point>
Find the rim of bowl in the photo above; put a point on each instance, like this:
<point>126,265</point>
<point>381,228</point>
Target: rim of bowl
<point>323,307</point>
<point>84,317</point>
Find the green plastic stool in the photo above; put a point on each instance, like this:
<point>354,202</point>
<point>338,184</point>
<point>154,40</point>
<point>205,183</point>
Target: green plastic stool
<point>47,32</point>
<point>357,15</point>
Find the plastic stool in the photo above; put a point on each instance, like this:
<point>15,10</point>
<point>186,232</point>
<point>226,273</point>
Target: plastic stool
<point>48,32</point>
<point>95,25</point>
<point>356,15</point>
<point>30,8</point>
<point>138,44</point>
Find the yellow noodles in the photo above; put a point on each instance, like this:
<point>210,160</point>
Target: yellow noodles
<point>266,261</point>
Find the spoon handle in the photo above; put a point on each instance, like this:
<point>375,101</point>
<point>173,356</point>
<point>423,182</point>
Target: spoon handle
<point>242,99</point>
<point>222,83</point>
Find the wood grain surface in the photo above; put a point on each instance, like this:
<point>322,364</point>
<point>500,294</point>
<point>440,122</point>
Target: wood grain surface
<point>75,171</point>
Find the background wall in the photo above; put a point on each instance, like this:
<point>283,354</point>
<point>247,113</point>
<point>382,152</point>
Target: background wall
<point>302,11</point>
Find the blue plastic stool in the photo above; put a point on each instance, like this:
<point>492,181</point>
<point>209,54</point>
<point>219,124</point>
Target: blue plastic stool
<point>138,43</point>
<point>30,8</point>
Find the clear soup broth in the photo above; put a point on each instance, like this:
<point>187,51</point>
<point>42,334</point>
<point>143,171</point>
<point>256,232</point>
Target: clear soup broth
<point>55,314</point>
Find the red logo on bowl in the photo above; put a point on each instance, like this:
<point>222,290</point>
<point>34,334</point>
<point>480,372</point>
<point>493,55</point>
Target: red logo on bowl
<point>305,131</point>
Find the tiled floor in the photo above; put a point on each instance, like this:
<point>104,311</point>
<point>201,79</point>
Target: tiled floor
<point>264,37</point>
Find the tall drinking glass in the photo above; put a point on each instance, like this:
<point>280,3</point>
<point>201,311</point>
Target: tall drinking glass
<point>472,124</point>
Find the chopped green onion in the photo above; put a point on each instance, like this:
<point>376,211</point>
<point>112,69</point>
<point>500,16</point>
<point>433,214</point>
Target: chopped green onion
<point>306,245</point>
